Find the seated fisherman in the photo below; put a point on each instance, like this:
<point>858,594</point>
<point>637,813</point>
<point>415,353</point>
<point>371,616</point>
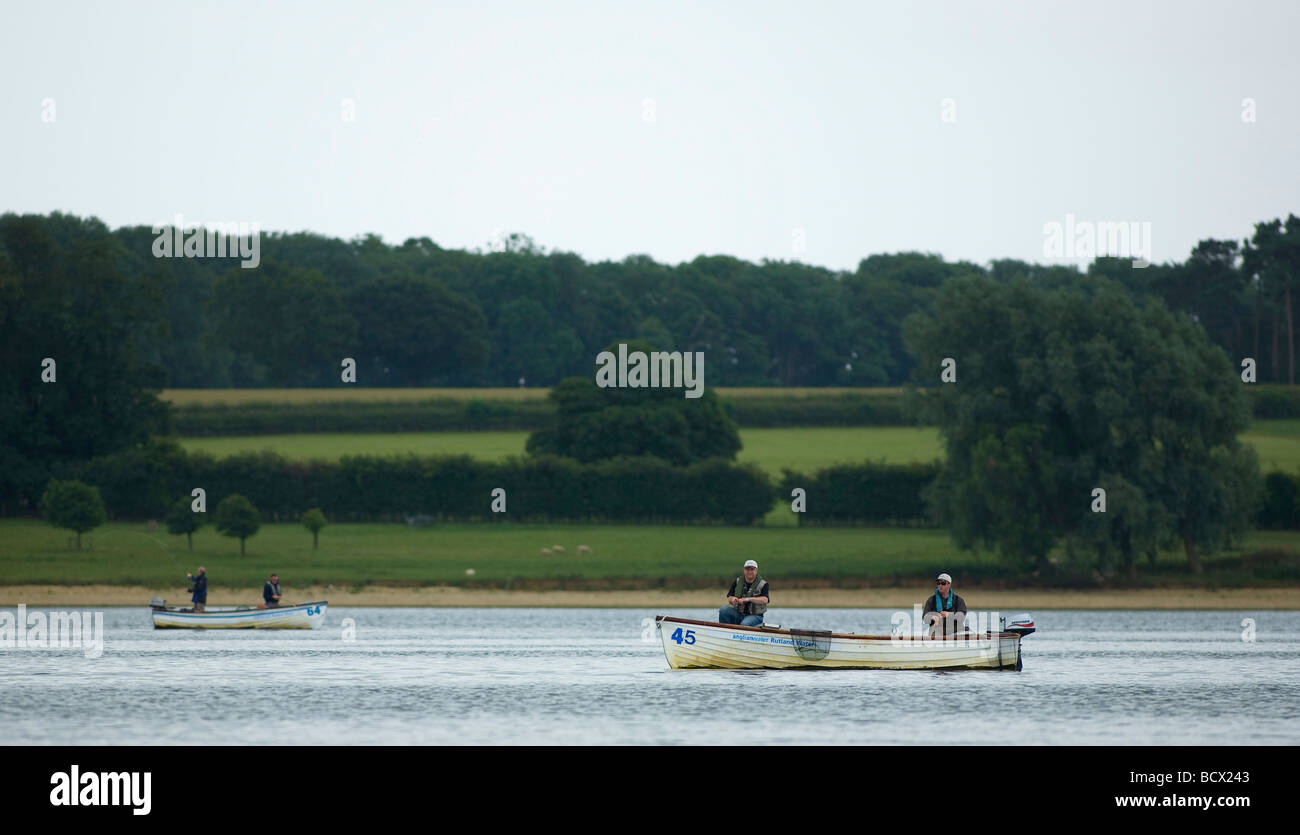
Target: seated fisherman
<point>271,592</point>
<point>747,598</point>
<point>945,607</point>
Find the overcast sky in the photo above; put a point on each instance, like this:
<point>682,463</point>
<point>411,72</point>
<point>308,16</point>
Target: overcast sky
<point>806,130</point>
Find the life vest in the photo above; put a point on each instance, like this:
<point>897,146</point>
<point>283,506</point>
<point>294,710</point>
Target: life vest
<point>744,589</point>
<point>938,601</point>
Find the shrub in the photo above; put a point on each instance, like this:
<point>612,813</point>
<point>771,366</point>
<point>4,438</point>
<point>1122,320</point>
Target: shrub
<point>313,520</point>
<point>73,505</point>
<point>182,519</point>
<point>1281,505</point>
<point>237,517</point>
<point>866,493</point>
<point>140,482</point>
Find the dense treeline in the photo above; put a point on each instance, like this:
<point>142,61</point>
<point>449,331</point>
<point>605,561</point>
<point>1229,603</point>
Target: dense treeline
<point>115,323</point>
<point>144,483</point>
<point>418,314</point>
<point>435,415</point>
<point>868,493</point>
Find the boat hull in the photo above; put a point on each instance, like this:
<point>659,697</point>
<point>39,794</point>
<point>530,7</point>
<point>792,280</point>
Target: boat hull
<point>303,616</point>
<point>704,645</point>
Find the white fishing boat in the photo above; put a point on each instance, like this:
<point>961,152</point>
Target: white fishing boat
<point>299,616</point>
<point>700,644</point>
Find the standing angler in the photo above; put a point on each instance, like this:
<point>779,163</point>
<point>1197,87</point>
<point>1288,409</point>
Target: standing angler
<point>200,589</point>
<point>747,598</point>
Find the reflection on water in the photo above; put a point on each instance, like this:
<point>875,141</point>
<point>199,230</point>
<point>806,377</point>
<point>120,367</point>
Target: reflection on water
<point>503,676</point>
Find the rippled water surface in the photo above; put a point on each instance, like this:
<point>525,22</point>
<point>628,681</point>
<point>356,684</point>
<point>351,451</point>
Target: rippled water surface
<point>506,676</point>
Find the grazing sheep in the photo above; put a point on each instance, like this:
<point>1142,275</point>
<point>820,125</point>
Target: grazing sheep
<point>583,549</point>
<point>546,552</point>
<point>559,549</point>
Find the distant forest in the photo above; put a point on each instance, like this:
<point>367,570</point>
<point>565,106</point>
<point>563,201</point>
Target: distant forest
<point>416,314</point>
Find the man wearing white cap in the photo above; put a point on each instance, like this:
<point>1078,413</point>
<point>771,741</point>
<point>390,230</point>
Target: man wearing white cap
<point>945,606</point>
<point>747,598</point>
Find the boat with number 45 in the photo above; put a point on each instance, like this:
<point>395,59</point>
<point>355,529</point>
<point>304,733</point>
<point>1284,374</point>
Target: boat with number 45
<point>299,616</point>
<point>703,645</point>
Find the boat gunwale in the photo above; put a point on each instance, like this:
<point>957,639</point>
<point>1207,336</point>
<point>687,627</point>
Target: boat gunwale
<point>846,636</point>
<point>249,610</point>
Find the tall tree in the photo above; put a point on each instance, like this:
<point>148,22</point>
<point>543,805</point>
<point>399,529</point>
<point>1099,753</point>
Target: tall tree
<point>537,349</point>
<point>414,331</point>
<point>1273,256</point>
<point>595,423</point>
<point>288,326</point>
<point>236,516</point>
<point>1008,484</point>
<point>1061,392</point>
<point>73,384</point>
<point>182,519</point>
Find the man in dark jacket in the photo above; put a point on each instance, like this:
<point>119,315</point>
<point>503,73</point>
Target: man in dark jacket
<point>271,592</point>
<point>747,598</point>
<point>944,607</point>
<point>200,589</point>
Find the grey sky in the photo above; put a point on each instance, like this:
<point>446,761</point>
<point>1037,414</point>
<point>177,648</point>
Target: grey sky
<point>474,118</point>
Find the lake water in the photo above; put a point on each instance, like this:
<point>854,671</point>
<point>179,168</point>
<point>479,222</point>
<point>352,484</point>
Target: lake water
<point>547,676</point>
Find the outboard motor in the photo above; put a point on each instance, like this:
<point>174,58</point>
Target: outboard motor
<point>157,603</point>
<point>1021,625</point>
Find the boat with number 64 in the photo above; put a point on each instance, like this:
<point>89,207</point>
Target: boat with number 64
<point>299,616</point>
<point>703,645</point>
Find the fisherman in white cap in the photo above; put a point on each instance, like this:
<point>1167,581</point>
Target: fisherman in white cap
<point>944,606</point>
<point>747,599</point>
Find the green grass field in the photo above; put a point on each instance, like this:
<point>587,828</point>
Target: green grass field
<point>33,552</point>
<point>805,449</point>
<point>490,446</point>
<point>1278,444</point>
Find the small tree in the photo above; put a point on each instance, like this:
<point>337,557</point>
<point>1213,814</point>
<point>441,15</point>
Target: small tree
<point>236,516</point>
<point>314,520</point>
<point>73,505</point>
<point>182,519</point>
<point>594,423</point>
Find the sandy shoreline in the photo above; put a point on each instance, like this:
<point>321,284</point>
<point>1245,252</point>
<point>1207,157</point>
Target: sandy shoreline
<point>999,599</point>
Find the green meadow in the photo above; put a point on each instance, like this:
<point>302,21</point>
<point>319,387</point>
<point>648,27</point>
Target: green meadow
<point>804,449</point>
<point>32,552</point>
<point>626,556</point>
<point>333,446</point>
